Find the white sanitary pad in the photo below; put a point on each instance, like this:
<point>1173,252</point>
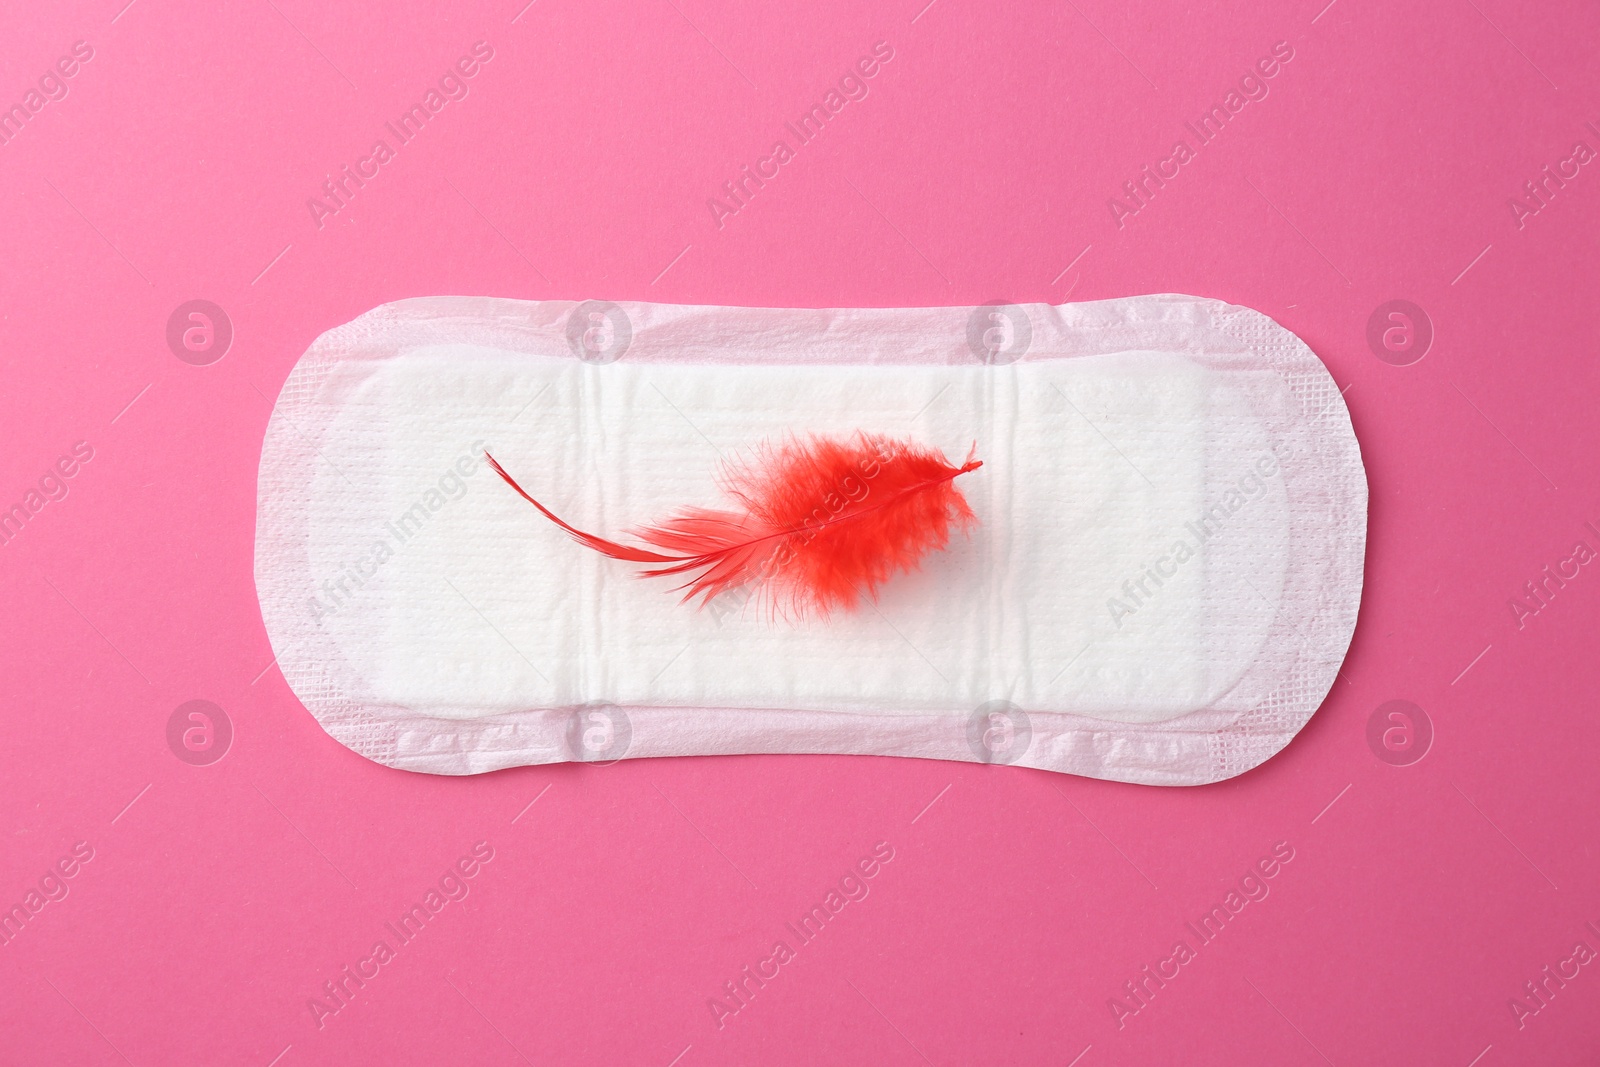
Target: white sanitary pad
<point>1160,588</point>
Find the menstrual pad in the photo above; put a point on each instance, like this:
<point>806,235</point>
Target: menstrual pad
<point>1161,585</point>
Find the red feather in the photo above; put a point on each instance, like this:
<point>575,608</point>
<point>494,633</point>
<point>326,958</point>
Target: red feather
<point>821,522</point>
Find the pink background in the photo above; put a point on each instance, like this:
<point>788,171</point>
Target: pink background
<point>220,898</point>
